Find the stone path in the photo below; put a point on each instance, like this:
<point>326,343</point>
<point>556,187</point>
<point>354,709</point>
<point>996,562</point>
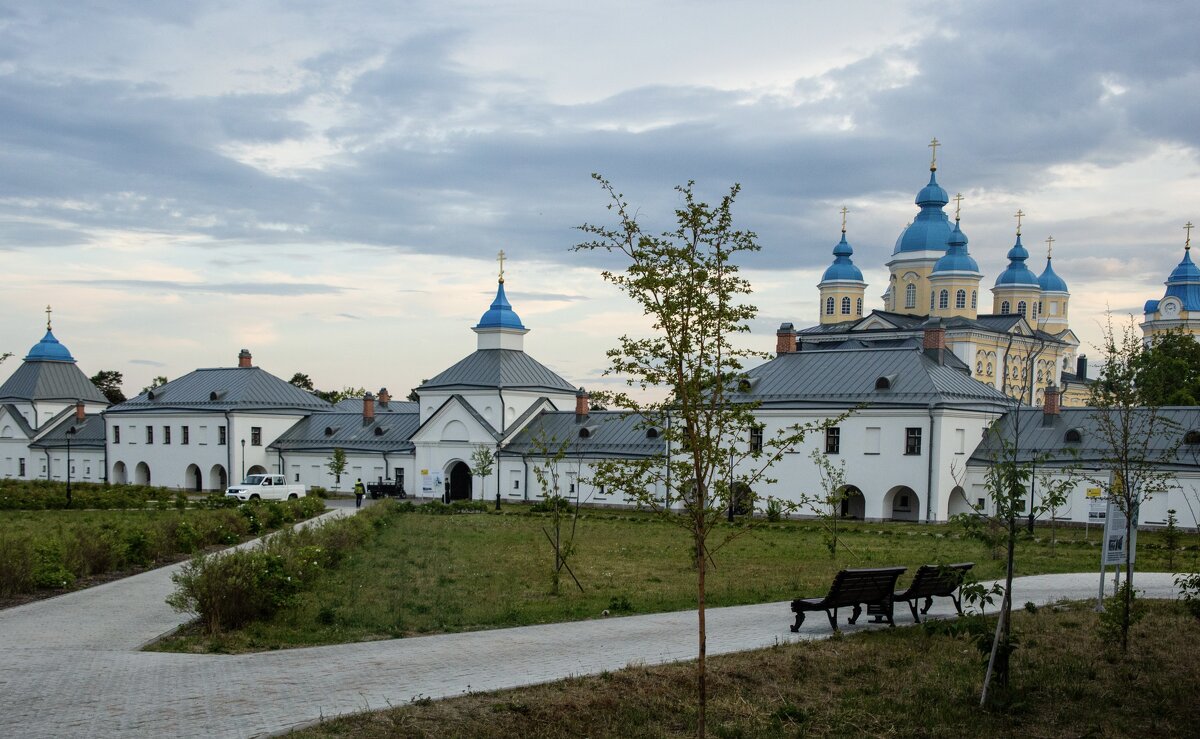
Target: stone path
<point>69,666</point>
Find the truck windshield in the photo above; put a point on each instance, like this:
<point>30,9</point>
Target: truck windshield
<point>253,480</point>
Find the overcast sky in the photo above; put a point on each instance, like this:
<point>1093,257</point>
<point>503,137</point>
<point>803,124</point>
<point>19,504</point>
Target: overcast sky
<point>327,183</point>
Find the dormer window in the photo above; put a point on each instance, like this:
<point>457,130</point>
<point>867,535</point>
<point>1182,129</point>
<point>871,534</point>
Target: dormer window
<point>150,394</point>
<point>1073,436</point>
<point>1192,437</point>
<point>380,431</point>
<point>885,382</point>
<point>586,432</point>
<point>651,433</point>
<point>216,395</point>
<point>329,431</point>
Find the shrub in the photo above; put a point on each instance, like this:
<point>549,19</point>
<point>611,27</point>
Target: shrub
<point>49,565</point>
<point>1189,591</point>
<point>16,565</point>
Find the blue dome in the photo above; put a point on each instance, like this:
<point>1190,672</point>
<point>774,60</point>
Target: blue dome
<point>49,350</point>
<point>1184,283</point>
<point>1017,273</point>
<point>957,259</point>
<point>842,268</point>
<point>500,314</point>
<point>1050,281</point>
<point>1186,271</point>
<point>930,230</point>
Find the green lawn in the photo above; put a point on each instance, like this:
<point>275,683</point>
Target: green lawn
<point>909,681</point>
<point>426,574</point>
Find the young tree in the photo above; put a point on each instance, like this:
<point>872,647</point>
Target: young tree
<point>1135,442</point>
<point>337,466</point>
<point>828,505</point>
<point>109,383</point>
<point>552,454</point>
<point>482,460</point>
<point>687,283</point>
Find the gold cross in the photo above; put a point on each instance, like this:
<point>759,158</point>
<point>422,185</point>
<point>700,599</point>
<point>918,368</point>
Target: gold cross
<point>1188,227</point>
<point>47,318</point>
<point>1019,215</point>
<point>1049,246</point>
<point>500,258</point>
<point>844,212</point>
<point>958,205</point>
<point>934,145</point>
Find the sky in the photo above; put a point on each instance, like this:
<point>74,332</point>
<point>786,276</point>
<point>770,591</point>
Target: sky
<point>327,184</point>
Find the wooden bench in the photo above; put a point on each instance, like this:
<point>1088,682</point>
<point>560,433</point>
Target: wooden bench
<point>851,588</point>
<point>935,580</point>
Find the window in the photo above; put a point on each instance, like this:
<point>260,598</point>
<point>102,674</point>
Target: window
<point>571,488</point>
<point>944,299</point>
<point>871,441</point>
<point>859,307</point>
<point>256,436</point>
<point>960,441</point>
<point>166,434</point>
<point>974,297</point>
<point>756,439</point>
<point>1037,309</point>
<point>1004,308</point>
<point>989,369</point>
<point>979,368</point>
<point>516,484</point>
<point>960,299</point>
<point>203,435</point>
<point>221,435</point>
<point>833,440</point>
<point>149,434</point>
<point>910,296</point>
<point>1021,307</point>
<point>297,477</point>
<point>845,306</point>
<point>183,434</point>
<point>116,434</point>
<point>932,297</point>
<point>912,440</point>
<point>829,306</point>
<point>21,466</point>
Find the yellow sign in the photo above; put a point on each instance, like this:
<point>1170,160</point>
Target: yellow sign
<point>424,472</point>
<point>1093,492</point>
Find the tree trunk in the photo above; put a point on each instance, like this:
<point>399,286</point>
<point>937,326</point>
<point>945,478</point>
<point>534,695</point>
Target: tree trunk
<point>701,569</point>
<point>1127,600</point>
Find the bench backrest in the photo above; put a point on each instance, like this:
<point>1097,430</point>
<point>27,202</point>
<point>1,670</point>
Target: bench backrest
<point>937,580</point>
<point>862,585</point>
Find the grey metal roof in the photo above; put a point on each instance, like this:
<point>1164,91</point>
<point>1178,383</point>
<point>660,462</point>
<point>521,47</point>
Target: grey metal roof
<point>610,434</point>
<point>87,435</point>
<point>19,419</point>
<point>1037,438</point>
<point>391,432</point>
<point>225,389</point>
<point>456,398</point>
<point>354,405</point>
<point>848,377</point>
<point>42,380</point>
<point>904,323</point>
<point>498,368</point>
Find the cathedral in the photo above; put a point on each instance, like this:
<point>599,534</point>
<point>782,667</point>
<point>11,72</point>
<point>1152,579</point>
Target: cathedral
<point>1179,308</point>
<point>1021,348</point>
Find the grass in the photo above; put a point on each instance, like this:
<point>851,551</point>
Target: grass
<point>422,574</point>
<point>891,682</point>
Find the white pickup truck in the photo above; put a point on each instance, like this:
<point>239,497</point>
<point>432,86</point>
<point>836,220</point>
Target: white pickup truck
<point>267,487</point>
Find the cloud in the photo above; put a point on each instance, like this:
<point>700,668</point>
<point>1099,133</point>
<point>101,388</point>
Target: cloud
<point>536,296</point>
<point>147,362</point>
<point>285,289</point>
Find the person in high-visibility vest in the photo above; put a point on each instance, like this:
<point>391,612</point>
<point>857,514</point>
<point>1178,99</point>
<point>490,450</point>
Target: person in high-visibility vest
<point>359,491</point>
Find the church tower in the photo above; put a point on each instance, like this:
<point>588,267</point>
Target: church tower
<point>1052,308</point>
<point>954,282</point>
<point>500,327</point>
<point>1017,289</point>
<point>842,286</point>
<point>920,245</point>
<point>1179,308</point>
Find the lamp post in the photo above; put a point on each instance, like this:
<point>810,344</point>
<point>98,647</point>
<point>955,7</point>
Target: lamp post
<point>70,433</point>
<point>243,459</point>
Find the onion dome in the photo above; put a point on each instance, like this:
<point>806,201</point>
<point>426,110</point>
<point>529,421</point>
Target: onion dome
<point>500,314</point>
<point>1184,282</point>
<point>957,259</point>
<point>1050,282</point>
<point>930,230</point>
<point>842,268</point>
<point>1017,274</point>
<point>49,350</point>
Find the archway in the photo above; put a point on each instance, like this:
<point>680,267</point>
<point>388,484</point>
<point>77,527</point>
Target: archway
<point>141,474</point>
<point>257,469</point>
<point>217,478</point>
<point>459,481</point>
<point>958,502</point>
<point>854,505</point>
<point>901,504</point>
<point>193,479</point>
<point>120,474</point>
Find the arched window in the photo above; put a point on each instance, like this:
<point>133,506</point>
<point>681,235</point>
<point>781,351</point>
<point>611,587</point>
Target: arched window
<point>974,297</point>
<point>845,306</point>
<point>829,306</point>
<point>989,369</point>
<point>1021,307</point>
<point>1004,311</point>
<point>944,299</point>
<point>859,307</point>
<point>960,299</point>
<point>979,368</point>
<point>1037,311</point>
<point>910,296</point>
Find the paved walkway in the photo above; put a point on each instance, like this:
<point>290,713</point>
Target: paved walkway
<point>69,666</point>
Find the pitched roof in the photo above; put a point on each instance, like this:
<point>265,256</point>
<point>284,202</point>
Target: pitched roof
<point>848,376</point>
<point>1037,437</point>
<point>87,435</point>
<point>391,432</point>
<point>609,434</point>
<point>19,419</point>
<point>225,389</point>
<point>354,405</point>
<point>38,379</point>
<point>498,368</point>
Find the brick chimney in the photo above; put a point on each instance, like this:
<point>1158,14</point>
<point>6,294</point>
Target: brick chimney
<point>934,342</point>
<point>785,339</point>
<point>244,358</point>
<point>581,404</point>
<point>1081,366</point>
<point>384,397</point>
<point>79,412</point>
<point>1052,408</point>
<point>368,408</point>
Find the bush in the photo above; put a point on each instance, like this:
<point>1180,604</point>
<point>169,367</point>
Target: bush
<point>51,494</point>
<point>16,565</point>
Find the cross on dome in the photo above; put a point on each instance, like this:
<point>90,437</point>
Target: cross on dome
<point>934,144</point>
<point>958,206</point>
<point>1188,243</point>
<point>500,258</point>
<point>844,212</point>
<point>1049,246</point>
<point>1019,215</point>
<point>47,317</point>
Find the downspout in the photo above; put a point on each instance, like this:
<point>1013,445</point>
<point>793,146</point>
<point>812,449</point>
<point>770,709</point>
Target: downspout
<point>228,451</point>
<point>282,466</point>
<point>47,450</point>
<point>387,475</point>
<point>929,474</point>
<point>525,464</point>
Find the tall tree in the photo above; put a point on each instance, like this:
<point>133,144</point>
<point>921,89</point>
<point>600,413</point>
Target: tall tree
<point>687,283</point>
<point>109,383</point>
<point>302,381</point>
<point>157,382</point>
<point>1167,372</point>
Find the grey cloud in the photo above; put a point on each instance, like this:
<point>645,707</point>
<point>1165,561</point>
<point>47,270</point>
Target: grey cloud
<point>226,288</point>
<point>536,296</point>
<point>147,362</point>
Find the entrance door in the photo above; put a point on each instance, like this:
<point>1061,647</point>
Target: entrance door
<point>460,481</point>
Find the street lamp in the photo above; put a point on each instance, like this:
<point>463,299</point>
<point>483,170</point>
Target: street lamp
<point>243,459</point>
<point>70,433</point>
